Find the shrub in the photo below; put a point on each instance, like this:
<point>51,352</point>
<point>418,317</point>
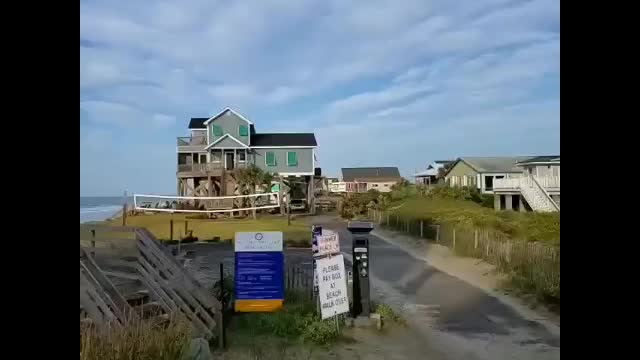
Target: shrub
<point>388,314</point>
<point>319,331</point>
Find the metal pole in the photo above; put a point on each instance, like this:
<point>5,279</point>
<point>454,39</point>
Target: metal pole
<point>222,302</point>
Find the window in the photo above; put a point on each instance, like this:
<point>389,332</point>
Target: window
<point>386,185</point>
<point>292,158</point>
<point>203,158</point>
<point>243,130</point>
<point>375,185</point>
<point>216,155</point>
<point>216,130</point>
<point>242,156</point>
<point>270,158</point>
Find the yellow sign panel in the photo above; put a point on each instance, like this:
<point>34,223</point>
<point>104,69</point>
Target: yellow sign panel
<point>258,305</point>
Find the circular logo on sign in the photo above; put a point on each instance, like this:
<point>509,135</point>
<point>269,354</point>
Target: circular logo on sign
<point>258,236</point>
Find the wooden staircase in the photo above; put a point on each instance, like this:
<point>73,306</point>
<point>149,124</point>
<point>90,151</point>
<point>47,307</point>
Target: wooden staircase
<point>154,283</point>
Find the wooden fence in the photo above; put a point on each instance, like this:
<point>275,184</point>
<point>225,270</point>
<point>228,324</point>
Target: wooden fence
<point>152,264</point>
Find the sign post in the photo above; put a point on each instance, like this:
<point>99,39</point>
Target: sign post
<point>333,286</point>
<point>329,274</point>
<point>259,271</point>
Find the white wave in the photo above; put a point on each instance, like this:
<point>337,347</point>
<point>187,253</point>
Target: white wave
<point>98,213</point>
<point>106,208</point>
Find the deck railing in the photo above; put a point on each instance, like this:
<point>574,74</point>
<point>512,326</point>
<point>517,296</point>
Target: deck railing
<point>212,166</point>
<point>192,141</point>
<point>547,182</point>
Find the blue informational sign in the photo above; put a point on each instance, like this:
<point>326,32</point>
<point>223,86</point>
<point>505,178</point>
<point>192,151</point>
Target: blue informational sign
<point>259,271</point>
<point>259,276</point>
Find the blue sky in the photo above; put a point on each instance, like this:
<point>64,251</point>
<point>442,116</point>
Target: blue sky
<point>380,82</point>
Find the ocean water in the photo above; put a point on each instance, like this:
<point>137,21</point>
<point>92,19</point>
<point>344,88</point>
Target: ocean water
<point>100,208</point>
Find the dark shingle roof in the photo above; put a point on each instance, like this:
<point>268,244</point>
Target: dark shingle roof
<point>285,139</point>
<point>349,174</point>
<point>495,164</point>
<point>544,159</point>
<point>197,123</point>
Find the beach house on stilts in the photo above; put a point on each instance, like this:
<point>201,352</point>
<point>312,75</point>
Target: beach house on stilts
<point>227,141</point>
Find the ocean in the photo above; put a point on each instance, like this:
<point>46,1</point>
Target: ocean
<point>100,208</point>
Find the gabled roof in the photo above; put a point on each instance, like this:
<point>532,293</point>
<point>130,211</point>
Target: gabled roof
<point>496,164</point>
<point>350,174</point>
<point>224,111</point>
<point>542,159</point>
<point>224,137</point>
<point>283,139</point>
<point>197,123</point>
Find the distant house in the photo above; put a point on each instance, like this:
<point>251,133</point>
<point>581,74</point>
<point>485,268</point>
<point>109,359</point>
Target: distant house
<point>517,182</point>
<point>363,179</point>
<point>430,175</point>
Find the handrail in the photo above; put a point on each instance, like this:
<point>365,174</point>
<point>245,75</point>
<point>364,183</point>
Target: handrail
<point>546,193</point>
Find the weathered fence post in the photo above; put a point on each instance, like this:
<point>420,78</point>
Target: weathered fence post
<point>387,224</point>
<point>171,229</point>
<point>421,228</point>
<point>93,242</point>
<point>475,239</point>
<point>488,247</point>
<point>454,238</point>
<point>124,210</point>
<point>438,233</point>
<point>508,252</point>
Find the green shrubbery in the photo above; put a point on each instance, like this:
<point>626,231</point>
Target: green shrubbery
<point>297,320</point>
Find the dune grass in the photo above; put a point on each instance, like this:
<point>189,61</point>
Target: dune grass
<point>140,340</point>
<point>217,229</point>
<point>530,226</point>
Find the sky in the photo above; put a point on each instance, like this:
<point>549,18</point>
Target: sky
<point>380,82</point>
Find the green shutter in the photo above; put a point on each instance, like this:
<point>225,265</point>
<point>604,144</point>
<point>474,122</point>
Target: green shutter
<point>271,158</point>
<point>292,158</point>
<point>216,130</point>
<point>243,130</point>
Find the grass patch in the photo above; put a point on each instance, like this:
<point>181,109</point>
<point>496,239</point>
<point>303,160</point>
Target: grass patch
<point>216,229</point>
<point>140,340</point>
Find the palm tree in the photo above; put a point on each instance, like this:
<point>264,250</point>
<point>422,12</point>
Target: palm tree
<point>252,178</point>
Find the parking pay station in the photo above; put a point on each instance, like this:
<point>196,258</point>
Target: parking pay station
<point>360,250</point>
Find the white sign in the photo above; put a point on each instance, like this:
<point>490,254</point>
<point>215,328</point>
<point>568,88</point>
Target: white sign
<point>327,244</point>
<point>333,286</point>
<point>258,241</point>
<point>338,187</point>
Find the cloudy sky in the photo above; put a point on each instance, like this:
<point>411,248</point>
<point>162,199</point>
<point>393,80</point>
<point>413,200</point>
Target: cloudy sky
<point>380,82</point>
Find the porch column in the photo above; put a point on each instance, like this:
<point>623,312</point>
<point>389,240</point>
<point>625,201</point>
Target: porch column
<point>496,202</point>
<point>508,202</point>
<point>522,208</point>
